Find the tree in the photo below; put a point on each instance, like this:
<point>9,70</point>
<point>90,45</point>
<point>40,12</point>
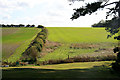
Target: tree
<point>28,25</point>
<point>40,26</point>
<point>33,25</point>
<point>113,25</point>
<point>21,25</point>
<point>102,23</point>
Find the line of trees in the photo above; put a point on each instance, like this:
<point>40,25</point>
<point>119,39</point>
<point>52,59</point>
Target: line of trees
<point>20,25</point>
<point>33,51</point>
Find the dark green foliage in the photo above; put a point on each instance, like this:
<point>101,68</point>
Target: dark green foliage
<point>88,9</point>
<point>42,33</point>
<point>40,26</point>
<point>44,30</point>
<point>93,7</point>
<point>112,26</point>
<point>102,23</point>
<point>116,65</point>
<point>19,25</point>
<point>33,52</point>
<point>42,37</point>
<point>38,40</point>
<point>38,46</point>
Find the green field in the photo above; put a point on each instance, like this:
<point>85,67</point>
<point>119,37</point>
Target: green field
<point>15,41</point>
<point>81,36</point>
<point>69,70</point>
<point>78,35</point>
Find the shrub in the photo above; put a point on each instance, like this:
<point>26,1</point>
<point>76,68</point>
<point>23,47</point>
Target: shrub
<point>33,51</point>
<point>38,46</point>
<point>42,33</point>
<point>38,41</point>
<point>40,26</point>
<point>42,37</point>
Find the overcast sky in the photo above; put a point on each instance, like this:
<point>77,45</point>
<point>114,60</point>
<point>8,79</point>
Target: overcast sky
<point>49,13</point>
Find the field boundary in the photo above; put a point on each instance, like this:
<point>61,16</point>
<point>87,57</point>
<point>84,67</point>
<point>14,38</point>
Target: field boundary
<point>30,55</point>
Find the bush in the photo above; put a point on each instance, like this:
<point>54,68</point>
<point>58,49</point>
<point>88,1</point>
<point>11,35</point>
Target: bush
<point>42,33</point>
<point>44,30</point>
<point>38,46</point>
<point>40,26</point>
<point>42,37</point>
<point>33,51</point>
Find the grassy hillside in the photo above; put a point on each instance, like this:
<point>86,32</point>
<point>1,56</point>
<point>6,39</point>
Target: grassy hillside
<point>78,35</point>
<point>70,70</point>
<point>81,38</point>
<point>15,41</point>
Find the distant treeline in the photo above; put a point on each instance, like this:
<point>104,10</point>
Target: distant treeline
<point>20,25</point>
<point>102,23</point>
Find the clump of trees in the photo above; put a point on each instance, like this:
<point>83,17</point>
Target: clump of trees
<point>20,25</point>
<point>102,23</point>
<point>32,52</point>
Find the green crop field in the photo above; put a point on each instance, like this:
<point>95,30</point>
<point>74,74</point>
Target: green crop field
<point>15,41</point>
<point>82,36</point>
<point>78,35</point>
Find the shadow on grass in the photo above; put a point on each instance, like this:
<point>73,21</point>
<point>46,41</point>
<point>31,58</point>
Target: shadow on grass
<point>94,72</point>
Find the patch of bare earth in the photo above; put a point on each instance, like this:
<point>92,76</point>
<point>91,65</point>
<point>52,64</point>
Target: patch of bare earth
<point>49,47</point>
<point>83,46</point>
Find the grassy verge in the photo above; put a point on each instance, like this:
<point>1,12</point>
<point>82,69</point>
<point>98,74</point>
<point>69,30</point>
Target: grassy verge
<point>69,70</point>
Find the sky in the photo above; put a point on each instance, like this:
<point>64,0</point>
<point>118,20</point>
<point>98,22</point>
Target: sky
<point>49,13</point>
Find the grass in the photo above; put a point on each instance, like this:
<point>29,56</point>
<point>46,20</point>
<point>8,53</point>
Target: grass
<point>69,35</point>
<point>15,41</point>
<point>69,70</point>
<point>63,52</point>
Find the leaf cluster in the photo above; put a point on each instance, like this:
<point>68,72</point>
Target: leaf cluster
<point>88,9</point>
